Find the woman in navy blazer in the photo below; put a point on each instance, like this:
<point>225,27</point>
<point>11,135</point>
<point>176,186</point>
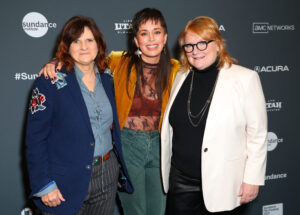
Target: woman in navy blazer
<point>73,146</point>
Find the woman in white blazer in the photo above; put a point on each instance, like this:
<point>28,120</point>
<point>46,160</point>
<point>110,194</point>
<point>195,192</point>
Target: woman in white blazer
<point>214,131</point>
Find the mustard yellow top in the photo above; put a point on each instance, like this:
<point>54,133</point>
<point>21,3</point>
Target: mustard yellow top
<point>118,66</point>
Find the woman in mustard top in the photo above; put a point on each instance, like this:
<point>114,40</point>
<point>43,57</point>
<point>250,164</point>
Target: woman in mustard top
<point>143,78</point>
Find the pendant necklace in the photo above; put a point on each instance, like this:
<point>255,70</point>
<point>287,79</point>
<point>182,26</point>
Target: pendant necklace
<point>205,106</point>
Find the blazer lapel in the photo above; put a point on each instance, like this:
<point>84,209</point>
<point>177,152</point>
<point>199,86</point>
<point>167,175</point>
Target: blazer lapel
<point>215,108</point>
<point>108,88</point>
<point>77,97</point>
<point>176,87</point>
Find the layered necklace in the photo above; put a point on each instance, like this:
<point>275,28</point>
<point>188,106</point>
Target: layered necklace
<point>198,117</point>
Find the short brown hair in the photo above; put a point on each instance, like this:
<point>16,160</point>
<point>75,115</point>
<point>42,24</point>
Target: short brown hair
<point>206,28</point>
<point>71,31</point>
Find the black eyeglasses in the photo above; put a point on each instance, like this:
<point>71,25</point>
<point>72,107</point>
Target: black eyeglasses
<point>201,46</point>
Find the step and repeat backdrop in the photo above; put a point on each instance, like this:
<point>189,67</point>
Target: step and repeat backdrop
<point>262,35</point>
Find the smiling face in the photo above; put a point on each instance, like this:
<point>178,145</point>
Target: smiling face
<point>151,39</point>
<point>84,50</point>
<point>201,59</point>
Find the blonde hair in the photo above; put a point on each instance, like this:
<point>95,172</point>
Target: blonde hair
<point>207,29</point>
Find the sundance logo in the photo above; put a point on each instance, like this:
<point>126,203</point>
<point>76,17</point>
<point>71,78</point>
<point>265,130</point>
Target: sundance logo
<point>273,141</point>
<point>123,27</point>
<point>26,211</point>
<point>273,105</point>
<point>36,25</point>
<point>277,68</point>
<point>276,176</point>
<point>265,27</point>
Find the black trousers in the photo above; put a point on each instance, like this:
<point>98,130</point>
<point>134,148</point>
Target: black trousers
<point>185,197</point>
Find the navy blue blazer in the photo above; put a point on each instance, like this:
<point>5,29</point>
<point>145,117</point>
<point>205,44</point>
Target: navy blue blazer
<point>59,141</point>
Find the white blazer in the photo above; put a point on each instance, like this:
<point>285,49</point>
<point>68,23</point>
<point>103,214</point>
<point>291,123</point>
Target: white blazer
<point>234,147</point>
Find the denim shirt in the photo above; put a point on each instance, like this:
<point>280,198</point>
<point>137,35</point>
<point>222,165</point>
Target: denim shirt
<point>100,113</point>
<point>101,118</point>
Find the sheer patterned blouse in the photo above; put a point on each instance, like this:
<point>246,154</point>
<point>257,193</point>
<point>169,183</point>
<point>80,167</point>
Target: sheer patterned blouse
<point>145,111</point>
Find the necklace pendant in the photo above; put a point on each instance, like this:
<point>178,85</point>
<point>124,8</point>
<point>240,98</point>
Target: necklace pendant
<point>201,114</point>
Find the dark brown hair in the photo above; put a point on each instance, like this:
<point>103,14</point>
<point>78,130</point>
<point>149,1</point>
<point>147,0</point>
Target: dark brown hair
<point>164,65</point>
<point>71,31</point>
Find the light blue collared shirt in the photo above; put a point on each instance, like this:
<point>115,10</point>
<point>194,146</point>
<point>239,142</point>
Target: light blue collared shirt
<point>100,113</point>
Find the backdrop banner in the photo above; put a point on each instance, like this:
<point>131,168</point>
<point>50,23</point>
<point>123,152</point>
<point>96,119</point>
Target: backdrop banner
<point>262,35</point>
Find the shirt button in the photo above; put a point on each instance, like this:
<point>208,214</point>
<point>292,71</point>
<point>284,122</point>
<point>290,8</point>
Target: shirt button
<point>92,143</point>
<point>88,167</point>
<point>206,149</point>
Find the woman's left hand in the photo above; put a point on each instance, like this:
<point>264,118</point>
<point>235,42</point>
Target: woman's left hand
<point>248,193</point>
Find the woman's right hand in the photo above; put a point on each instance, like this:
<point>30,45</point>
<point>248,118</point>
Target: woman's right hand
<point>50,69</point>
<point>53,199</point>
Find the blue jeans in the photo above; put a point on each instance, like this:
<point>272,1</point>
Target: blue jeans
<point>141,151</point>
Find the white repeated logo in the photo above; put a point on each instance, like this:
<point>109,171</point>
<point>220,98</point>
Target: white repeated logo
<point>275,209</point>
<point>26,211</point>
<point>36,25</point>
<point>273,141</point>
<point>24,76</point>
<point>273,105</point>
<point>222,28</point>
<point>276,176</point>
<point>272,68</point>
<point>265,27</point>
<point>123,27</point>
